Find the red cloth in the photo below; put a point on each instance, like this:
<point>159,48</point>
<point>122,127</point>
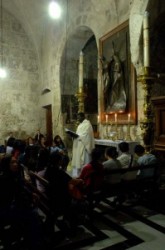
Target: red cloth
<point>92,176</point>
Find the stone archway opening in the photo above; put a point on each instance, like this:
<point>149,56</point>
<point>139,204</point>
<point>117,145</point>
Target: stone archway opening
<point>82,39</point>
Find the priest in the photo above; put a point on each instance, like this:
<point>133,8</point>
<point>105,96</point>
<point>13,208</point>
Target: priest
<point>82,144</point>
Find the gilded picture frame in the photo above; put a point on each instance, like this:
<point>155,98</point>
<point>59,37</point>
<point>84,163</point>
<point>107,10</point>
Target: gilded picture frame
<point>118,77</point>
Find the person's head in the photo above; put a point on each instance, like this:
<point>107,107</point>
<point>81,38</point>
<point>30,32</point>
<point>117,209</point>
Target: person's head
<point>55,160</point>
<point>111,152</point>
<point>19,145</point>
<point>124,147</point>
<point>57,139</point>
<point>11,142</point>
<point>80,117</point>
<point>30,141</point>
<point>9,164</point>
<point>139,150</point>
<point>96,155</point>
<point>42,140</point>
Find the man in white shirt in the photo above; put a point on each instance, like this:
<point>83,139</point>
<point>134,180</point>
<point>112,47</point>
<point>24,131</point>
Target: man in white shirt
<point>126,159</point>
<point>82,145</point>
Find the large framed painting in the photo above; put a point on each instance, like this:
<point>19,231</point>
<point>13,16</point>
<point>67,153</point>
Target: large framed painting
<point>118,77</point>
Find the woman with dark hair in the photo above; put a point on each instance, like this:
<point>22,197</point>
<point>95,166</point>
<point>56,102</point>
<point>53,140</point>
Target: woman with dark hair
<point>17,205</point>
<point>59,146</point>
<point>92,173</point>
<point>59,143</point>
<point>9,145</point>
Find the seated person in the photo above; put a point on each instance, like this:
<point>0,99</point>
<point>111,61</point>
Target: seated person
<point>18,203</point>
<point>145,159</point>
<point>9,145</point>
<point>92,173</point>
<point>38,136</point>
<point>126,159</point>
<point>59,143</point>
<point>59,195</point>
<point>111,155</point>
<point>60,146</point>
<point>57,190</point>
<point>55,148</point>
<point>31,154</point>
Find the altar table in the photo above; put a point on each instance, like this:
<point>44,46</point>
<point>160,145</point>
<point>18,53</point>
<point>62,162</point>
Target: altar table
<point>105,143</point>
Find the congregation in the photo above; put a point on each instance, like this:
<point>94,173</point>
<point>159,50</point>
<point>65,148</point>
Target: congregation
<point>68,196</point>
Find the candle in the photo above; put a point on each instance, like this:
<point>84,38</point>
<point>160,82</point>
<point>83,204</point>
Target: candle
<point>146,40</point>
<point>115,118</point>
<point>106,118</point>
<point>98,119</point>
<point>81,59</point>
<point>129,118</point>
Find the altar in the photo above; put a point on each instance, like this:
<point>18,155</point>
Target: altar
<point>105,143</point>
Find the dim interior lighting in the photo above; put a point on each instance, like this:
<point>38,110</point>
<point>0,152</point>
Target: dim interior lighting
<point>3,73</point>
<point>54,10</point>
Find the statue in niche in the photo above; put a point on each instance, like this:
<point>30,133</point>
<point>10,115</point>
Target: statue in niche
<point>115,99</point>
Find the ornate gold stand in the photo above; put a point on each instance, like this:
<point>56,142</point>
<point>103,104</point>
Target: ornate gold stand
<point>147,125</point>
<point>128,136</point>
<point>81,97</point>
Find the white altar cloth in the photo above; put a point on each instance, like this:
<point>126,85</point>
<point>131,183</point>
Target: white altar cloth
<point>106,143</point>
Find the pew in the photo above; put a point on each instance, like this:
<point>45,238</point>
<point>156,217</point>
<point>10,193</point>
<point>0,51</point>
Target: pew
<point>131,182</point>
<point>128,183</point>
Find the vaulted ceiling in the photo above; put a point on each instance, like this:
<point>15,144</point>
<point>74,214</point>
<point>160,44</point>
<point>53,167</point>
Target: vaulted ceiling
<point>32,14</point>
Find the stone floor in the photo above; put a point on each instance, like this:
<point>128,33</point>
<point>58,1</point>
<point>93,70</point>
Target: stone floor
<point>135,226</point>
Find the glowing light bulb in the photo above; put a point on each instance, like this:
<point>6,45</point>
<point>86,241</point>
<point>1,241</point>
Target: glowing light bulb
<point>54,10</point>
<point>3,73</point>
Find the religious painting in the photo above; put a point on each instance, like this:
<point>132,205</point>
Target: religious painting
<point>118,75</point>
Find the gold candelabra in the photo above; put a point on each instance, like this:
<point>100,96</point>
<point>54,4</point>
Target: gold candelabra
<point>146,124</point>
<point>128,136</point>
<point>81,97</point>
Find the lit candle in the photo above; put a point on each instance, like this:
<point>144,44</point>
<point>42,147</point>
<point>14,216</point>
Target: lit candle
<point>146,40</point>
<point>115,118</point>
<point>98,119</point>
<point>106,118</point>
<point>129,118</point>
<point>81,61</point>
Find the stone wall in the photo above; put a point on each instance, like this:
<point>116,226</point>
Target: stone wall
<point>19,99</point>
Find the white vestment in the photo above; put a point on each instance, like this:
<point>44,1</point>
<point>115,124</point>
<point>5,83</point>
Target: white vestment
<point>82,146</point>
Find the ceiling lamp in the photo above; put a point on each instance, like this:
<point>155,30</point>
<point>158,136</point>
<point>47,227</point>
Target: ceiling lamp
<point>3,73</point>
<point>54,10</point>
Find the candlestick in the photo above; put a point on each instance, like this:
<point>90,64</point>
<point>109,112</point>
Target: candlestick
<point>146,41</point>
<point>129,118</point>
<point>115,118</point>
<point>81,62</point>
<point>98,119</point>
<point>106,118</point>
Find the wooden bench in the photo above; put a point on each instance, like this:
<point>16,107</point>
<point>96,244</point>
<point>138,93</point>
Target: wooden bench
<point>128,181</point>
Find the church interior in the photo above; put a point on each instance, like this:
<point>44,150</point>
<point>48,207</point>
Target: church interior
<point>51,68</point>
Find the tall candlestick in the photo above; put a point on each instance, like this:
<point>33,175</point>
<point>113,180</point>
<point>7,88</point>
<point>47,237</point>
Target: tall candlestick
<point>146,40</point>
<point>81,62</point>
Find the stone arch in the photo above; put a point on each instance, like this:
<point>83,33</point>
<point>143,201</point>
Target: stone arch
<point>77,41</point>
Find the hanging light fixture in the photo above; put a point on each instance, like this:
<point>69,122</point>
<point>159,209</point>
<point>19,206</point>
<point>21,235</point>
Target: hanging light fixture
<point>3,73</point>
